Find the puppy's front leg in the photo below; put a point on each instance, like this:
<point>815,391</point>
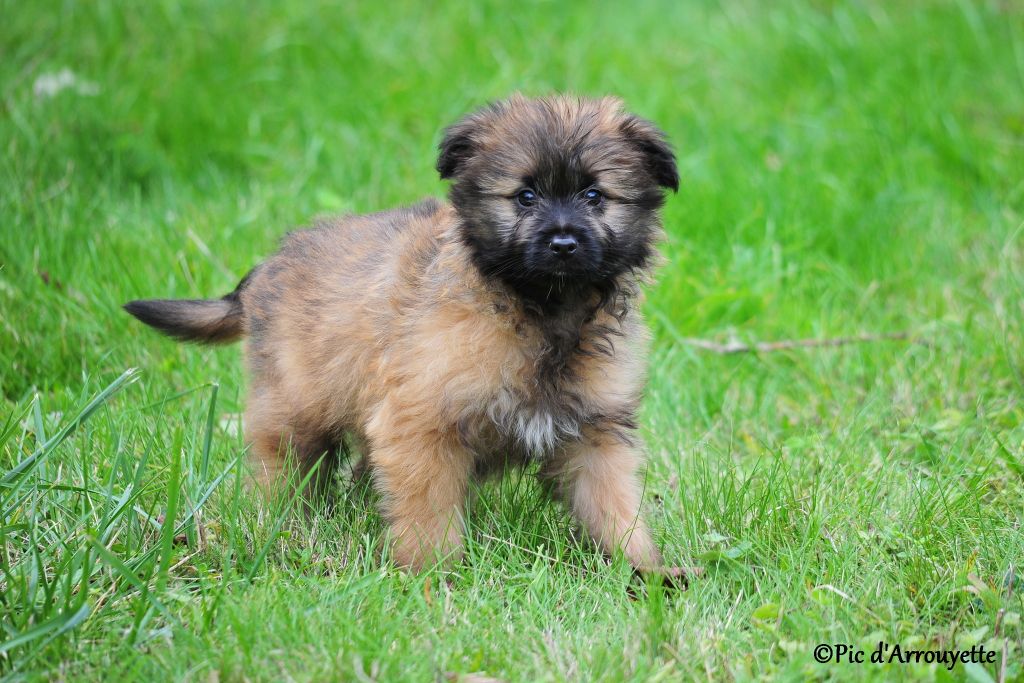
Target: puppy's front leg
<point>422,475</point>
<point>597,477</point>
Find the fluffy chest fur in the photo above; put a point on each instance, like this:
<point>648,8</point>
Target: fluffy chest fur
<point>566,374</point>
<point>530,426</point>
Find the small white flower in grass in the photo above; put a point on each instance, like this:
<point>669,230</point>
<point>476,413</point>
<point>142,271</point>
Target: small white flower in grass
<point>49,84</point>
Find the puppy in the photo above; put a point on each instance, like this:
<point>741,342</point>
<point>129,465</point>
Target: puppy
<point>448,340</point>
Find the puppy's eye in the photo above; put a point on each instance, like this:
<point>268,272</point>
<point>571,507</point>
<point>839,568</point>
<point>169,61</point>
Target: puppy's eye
<point>526,198</point>
<point>593,196</point>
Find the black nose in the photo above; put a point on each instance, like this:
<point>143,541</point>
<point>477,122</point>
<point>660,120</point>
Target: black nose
<point>563,246</point>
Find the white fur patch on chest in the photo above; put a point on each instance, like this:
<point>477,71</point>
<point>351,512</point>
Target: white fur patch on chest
<point>535,429</point>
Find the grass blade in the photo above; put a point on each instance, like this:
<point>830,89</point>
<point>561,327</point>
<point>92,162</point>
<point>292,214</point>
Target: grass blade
<point>129,375</point>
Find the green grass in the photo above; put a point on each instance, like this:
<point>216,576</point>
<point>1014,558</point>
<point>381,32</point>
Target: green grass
<point>847,168</point>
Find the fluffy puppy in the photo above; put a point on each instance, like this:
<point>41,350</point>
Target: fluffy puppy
<point>448,340</point>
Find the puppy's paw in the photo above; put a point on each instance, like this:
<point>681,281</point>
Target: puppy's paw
<point>677,578</point>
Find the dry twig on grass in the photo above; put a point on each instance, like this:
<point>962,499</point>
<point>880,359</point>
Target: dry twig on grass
<point>736,346</point>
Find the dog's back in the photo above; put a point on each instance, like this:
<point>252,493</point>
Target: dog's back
<point>334,260</point>
<point>319,313</point>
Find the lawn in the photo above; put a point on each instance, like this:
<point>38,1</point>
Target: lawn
<point>847,168</point>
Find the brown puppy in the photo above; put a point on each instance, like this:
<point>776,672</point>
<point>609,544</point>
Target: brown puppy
<point>448,340</point>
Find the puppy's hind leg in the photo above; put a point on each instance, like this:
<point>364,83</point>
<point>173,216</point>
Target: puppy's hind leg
<point>285,448</point>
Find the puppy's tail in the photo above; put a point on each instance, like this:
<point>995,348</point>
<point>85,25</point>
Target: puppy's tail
<point>207,321</point>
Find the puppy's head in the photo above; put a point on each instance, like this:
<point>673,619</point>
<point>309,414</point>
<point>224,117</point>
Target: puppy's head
<point>557,194</point>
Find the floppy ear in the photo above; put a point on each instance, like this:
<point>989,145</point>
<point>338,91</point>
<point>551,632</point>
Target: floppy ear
<point>658,155</point>
<point>456,148</point>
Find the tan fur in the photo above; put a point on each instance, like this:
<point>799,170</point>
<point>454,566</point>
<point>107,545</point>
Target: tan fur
<point>408,358</point>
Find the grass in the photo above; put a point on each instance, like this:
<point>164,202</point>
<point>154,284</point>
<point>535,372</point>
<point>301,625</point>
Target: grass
<point>847,168</point>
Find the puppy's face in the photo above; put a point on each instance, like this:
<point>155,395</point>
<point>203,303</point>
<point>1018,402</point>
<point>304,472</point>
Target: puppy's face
<point>557,194</point>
